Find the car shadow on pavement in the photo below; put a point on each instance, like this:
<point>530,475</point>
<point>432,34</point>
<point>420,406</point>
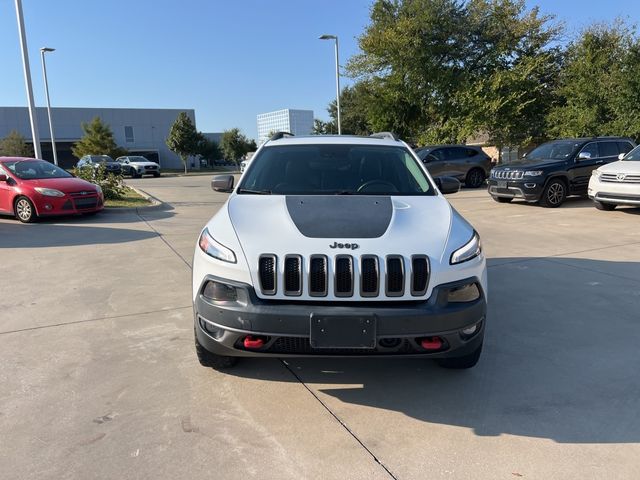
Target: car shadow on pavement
<point>560,360</point>
<point>17,235</point>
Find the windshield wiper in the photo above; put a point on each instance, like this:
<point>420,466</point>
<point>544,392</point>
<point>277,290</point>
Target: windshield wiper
<point>254,192</point>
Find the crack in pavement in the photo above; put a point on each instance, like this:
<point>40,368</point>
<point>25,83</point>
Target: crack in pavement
<point>343,424</point>
<point>97,319</point>
<point>163,239</point>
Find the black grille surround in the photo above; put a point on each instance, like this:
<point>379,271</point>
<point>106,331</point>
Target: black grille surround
<point>346,276</point>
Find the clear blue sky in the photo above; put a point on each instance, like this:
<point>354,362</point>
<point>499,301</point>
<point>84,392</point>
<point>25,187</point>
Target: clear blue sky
<point>229,60</point>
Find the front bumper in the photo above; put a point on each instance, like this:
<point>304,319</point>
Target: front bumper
<point>67,205</point>
<point>221,326</point>
<point>613,192</point>
<point>529,189</point>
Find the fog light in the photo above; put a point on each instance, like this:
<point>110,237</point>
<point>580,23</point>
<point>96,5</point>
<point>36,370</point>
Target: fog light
<point>530,185</point>
<point>470,330</point>
<point>464,294</point>
<point>47,206</point>
<point>219,292</point>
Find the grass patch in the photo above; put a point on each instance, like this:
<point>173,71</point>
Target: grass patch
<point>130,199</point>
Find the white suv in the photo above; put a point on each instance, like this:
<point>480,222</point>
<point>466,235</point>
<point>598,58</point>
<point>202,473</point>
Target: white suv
<point>617,183</point>
<point>338,246</point>
<point>137,166</point>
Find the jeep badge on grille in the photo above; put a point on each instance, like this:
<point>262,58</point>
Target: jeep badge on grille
<point>351,246</point>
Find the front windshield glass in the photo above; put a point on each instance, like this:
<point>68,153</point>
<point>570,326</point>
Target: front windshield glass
<point>35,170</point>
<point>102,159</point>
<point>559,150</point>
<point>137,159</point>
<point>633,155</point>
<point>335,170</point>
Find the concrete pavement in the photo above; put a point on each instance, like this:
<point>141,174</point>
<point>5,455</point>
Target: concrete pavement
<point>99,378</point>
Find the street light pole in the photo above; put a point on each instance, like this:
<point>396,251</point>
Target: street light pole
<point>44,50</point>
<point>27,80</point>
<point>335,37</point>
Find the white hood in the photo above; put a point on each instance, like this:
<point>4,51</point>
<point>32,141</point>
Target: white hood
<point>625,166</point>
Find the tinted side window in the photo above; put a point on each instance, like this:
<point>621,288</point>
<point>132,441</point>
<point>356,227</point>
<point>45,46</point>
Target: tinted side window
<point>456,153</point>
<point>608,149</point>
<point>625,147</point>
<point>471,152</point>
<point>592,148</point>
<point>440,154</point>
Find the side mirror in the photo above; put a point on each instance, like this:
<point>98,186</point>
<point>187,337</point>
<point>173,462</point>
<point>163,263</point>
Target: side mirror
<point>584,155</point>
<point>3,177</point>
<point>222,183</point>
<point>621,156</point>
<point>524,155</point>
<point>447,184</point>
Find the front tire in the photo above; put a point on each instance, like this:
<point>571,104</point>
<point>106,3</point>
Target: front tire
<point>461,363</point>
<point>24,210</point>
<point>211,360</point>
<point>474,178</point>
<point>554,194</point>
<point>604,206</point>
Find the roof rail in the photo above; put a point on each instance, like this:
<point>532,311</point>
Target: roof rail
<point>385,136</point>
<point>279,135</point>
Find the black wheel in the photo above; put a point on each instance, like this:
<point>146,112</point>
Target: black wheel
<point>24,210</point>
<point>217,362</point>
<point>136,175</point>
<point>475,178</point>
<point>503,199</point>
<point>460,363</point>
<point>554,194</point>
<point>604,206</point>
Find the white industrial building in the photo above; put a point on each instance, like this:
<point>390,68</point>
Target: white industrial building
<point>142,131</point>
<point>298,122</point>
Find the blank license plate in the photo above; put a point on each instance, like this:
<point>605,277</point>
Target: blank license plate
<point>502,184</point>
<point>343,332</point>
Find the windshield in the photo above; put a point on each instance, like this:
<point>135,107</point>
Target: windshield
<point>102,158</point>
<point>138,159</point>
<point>335,170</point>
<point>558,150</point>
<point>35,170</point>
<point>633,155</point>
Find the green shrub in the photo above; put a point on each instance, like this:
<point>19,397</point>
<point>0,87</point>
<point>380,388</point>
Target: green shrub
<point>113,186</point>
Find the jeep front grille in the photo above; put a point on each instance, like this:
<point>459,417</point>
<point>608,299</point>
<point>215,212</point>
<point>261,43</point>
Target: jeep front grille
<point>368,276</point>
<point>507,174</point>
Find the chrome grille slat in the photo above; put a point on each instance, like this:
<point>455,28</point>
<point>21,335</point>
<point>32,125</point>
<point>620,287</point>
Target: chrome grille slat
<point>343,274</point>
<point>268,271</point>
<point>395,276</point>
<point>293,275</point>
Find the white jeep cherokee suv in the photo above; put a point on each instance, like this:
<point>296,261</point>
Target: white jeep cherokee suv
<point>338,246</point>
<point>617,183</point>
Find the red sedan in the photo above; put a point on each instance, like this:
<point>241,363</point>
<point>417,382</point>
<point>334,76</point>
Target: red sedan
<point>30,188</point>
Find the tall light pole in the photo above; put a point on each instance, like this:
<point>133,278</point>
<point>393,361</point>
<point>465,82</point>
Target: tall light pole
<point>335,37</point>
<point>27,81</point>
<point>44,50</point>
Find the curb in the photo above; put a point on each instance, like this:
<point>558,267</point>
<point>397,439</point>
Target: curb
<point>156,204</point>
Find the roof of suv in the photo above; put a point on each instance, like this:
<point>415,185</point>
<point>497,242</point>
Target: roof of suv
<point>333,140</point>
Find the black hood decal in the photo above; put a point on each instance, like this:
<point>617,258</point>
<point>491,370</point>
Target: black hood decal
<point>340,216</point>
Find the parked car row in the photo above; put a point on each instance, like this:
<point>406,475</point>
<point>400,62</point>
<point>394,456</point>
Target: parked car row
<point>469,164</point>
<point>133,165</point>
<point>598,167</point>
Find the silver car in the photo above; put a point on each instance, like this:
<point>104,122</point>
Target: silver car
<point>466,163</point>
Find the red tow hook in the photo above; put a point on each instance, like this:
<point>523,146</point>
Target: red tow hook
<point>431,343</point>
<point>253,342</point>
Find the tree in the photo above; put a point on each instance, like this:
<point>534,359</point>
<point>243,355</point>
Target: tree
<point>599,91</point>
<point>14,145</point>
<point>183,140</point>
<point>208,149</point>
<point>440,70</point>
<point>97,140</point>
<point>235,145</point>
<point>354,109</point>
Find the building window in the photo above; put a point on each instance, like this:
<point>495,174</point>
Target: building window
<point>128,134</point>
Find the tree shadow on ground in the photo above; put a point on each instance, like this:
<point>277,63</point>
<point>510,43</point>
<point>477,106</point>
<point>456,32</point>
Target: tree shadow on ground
<point>560,360</point>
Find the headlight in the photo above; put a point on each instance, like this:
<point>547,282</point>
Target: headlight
<point>49,192</point>
<point>470,250</point>
<point>214,249</point>
<point>595,173</point>
<point>533,173</point>
<point>98,190</point>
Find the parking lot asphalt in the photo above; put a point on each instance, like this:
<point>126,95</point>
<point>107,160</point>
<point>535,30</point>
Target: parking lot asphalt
<point>99,377</point>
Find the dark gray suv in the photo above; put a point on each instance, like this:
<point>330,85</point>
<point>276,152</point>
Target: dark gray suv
<point>466,163</point>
